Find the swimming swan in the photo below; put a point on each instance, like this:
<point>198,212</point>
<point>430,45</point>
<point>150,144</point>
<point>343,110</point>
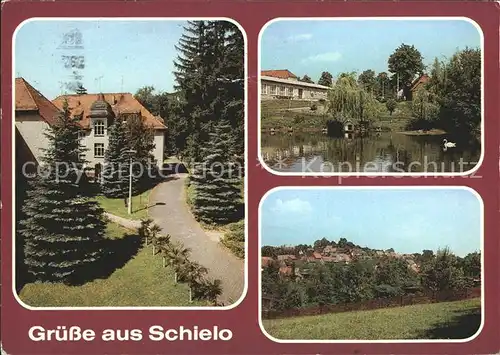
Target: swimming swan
<point>449,144</point>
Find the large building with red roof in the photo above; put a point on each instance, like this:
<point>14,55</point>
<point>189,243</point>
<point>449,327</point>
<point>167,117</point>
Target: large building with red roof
<point>35,113</point>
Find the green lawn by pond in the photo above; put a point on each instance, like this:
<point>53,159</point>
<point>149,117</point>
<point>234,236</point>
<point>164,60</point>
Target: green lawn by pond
<point>135,278</point>
<point>117,206</point>
<point>446,320</point>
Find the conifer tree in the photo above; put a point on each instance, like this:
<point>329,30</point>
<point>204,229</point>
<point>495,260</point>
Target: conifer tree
<point>115,175</point>
<point>63,228</point>
<point>140,138</point>
<point>217,197</point>
<point>210,77</point>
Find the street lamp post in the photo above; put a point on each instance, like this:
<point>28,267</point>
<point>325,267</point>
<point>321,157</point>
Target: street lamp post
<point>130,152</point>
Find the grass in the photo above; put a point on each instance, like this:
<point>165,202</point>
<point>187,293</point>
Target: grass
<point>446,320</point>
<point>117,206</point>
<point>280,104</point>
<point>140,281</point>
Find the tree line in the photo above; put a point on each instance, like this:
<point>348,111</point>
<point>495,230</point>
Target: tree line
<point>365,279</point>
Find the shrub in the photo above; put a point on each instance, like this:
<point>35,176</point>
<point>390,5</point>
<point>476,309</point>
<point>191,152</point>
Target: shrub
<point>234,239</point>
<point>298,119</point>
<point>314,107</point>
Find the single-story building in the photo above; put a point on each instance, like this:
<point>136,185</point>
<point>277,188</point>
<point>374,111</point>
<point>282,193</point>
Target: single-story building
<point>283,84</point>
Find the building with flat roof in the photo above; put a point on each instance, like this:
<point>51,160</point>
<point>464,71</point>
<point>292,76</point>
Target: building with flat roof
<point>282,84</point>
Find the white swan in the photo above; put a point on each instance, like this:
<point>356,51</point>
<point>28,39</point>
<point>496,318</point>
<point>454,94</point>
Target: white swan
<point>449,144</point>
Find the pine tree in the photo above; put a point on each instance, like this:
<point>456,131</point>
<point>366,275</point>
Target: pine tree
<point>63,228</point>
<point>217,197</point>
<point>210,77</point>
<point>115,175</point>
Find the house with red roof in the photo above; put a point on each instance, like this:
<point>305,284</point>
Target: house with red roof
<point>418,83</point>
<point>96,113</point>
<point>34,114</point>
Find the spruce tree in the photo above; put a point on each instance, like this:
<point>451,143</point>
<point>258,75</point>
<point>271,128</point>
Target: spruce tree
<point>115,175</point>
<point>140,138</point>
<point>210,77</point>
<point>217,197</point>
<point>63,227</point>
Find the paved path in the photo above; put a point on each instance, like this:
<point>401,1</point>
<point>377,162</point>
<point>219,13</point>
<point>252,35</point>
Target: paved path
<point>171,213</point>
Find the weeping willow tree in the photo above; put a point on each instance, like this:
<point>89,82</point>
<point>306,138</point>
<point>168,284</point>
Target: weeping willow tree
<point>347,100</point>
<point>424,109</point>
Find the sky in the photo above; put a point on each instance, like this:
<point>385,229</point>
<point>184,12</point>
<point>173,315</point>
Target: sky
<point>407,220</point>
<point>127,54</point>
<point>311,47</point>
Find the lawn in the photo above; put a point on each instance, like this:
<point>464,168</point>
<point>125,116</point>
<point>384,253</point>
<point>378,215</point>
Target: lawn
<point>132,276</point>
<point>117,206</point>
<point>280,104</point>
<point>446,320</point>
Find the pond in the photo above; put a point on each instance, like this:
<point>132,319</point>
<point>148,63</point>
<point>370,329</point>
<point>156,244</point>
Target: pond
<point>388,152</point>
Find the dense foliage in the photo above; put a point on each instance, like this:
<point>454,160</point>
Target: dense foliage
<point>234,239</point>
<point>130,139</point>
<point>63,227</point>
<point>348,99</point>
<point>326,79</point>
<point>405,64</point>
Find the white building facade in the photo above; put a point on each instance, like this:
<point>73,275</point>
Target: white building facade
<point>278,88</point>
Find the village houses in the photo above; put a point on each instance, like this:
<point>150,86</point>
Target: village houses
<point>290,264</point>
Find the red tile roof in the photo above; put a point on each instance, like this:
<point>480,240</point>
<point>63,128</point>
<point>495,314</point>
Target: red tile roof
<point>266,261</point>
<point>282,74</point>
<point>120,103</point>
<point>317,255</point>
<point>29,99</point>
<point>423,79</point>
<point>285,270</point>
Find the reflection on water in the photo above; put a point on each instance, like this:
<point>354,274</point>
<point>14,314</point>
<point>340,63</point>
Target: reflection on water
<point>378,152</point>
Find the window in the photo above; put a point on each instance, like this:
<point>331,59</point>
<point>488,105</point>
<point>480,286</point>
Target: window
<point>99,128</point>
<point>289,91</point>
<point>273,90</point>
<point>263,89</point>
<point>282,90</point>
<point>81,134</point>
<point>99,150</point>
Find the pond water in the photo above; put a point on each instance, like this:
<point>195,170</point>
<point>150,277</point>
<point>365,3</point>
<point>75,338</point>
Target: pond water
<point>377,152</point>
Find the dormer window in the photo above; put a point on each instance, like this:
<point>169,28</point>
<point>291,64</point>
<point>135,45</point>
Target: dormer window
<point>99,128</point>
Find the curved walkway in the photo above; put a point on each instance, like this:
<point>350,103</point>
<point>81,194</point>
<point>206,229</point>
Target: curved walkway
<point>171,213</point>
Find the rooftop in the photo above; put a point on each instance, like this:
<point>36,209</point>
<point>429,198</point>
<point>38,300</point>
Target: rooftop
<point>293,82</point>
<point>29,99</point>
<point>121,103</point>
